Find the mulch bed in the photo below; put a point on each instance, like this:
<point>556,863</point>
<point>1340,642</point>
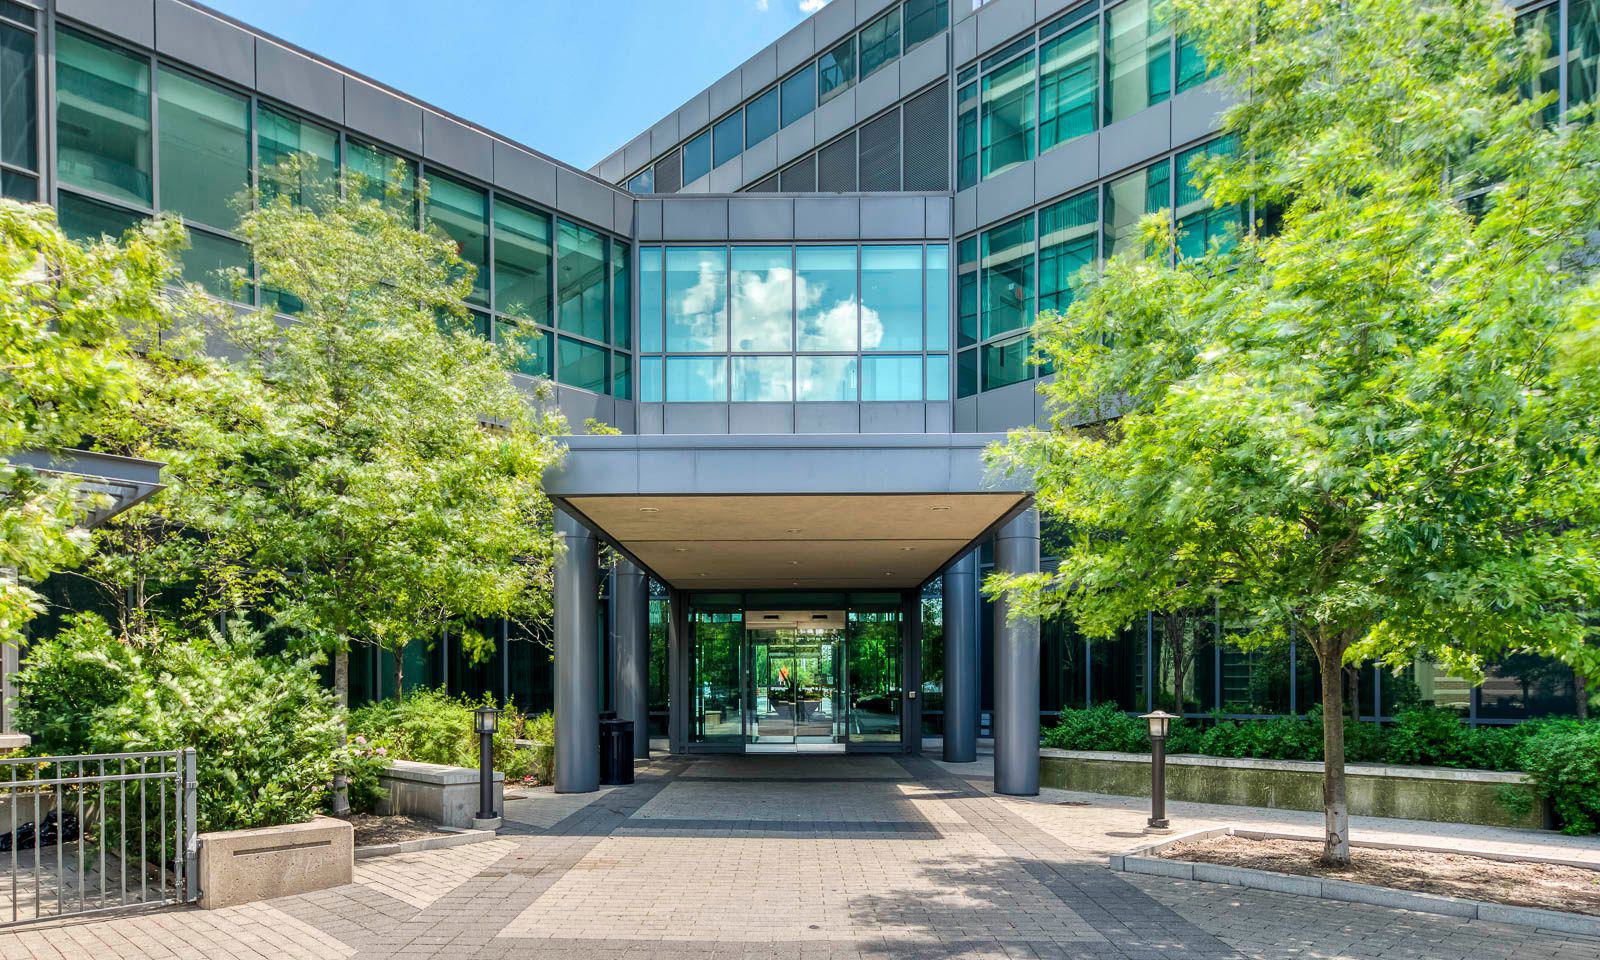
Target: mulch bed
<point>372,830</point>
<point>1544,885</point>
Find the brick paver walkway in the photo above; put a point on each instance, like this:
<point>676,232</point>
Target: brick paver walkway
<point>810,858</point>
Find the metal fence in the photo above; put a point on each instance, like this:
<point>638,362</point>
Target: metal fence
<point>96,832</point>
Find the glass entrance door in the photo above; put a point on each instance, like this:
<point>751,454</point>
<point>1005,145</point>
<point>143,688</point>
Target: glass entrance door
<point>796,677</point>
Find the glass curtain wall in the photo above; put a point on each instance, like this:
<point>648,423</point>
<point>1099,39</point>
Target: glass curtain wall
<point>19,103</point>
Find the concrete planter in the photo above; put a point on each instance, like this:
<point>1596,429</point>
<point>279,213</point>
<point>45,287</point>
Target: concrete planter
<point>1440,794</point>
<point>242,866</point>
<point>446,795</point>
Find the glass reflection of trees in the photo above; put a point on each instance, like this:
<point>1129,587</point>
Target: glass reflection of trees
<point>874,668</point>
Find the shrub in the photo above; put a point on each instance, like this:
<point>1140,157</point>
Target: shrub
<point>430,726</point>
<point>1104,727</point>
<point>1563,758</point>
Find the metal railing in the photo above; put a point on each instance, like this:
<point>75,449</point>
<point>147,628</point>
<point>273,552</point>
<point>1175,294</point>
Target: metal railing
<point>121,825</point>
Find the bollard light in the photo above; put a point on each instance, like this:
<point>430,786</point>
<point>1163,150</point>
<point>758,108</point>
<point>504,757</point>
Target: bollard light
<point>1160,723</point>
<point>486,720</point>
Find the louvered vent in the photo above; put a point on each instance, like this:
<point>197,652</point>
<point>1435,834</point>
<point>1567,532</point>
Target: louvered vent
<point>800,177</point>
<point>669,173</point>
<point>927,139</point>
<point>880,153</point>
<point>768,185</point>
<point>836,166</point>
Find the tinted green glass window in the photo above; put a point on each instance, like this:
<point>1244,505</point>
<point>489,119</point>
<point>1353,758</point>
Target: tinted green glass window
<point>891,378</point>
<point>799,94</point>
<point>205,149</point>
<point>621,302</point>
<point>1192,67</point>
<point>925,19</point>
<point>1068,235</point>
<point>384,176</point>
<point>581,280</point>
<point>967,293</point>
<point>1008,116</point>
<point>1583,51</point>
<point>763,379</point>
<point>1006,362</point>
<point>967,136</point>
<point>761,118</point>
<point>650,379</point>
<point>19,108</point>
<point>826,295</point>
<point>1138,59</point>
<point>697,379</point>
<point>650,299</point>
<point>19,186</point>
<point>102,118</point>
<point>880,42</point>
<point>891,299</point>
<point>533,346</point>
<point>967,373</point>
<point>697,158</point>
<point>206,261</point>
<point>938,377</point>
<point>937,285</point>
<point>521,261</point>
<point>85,219</point>
<point>582,365</point>
<point>1007,277</point>
<point>461,211</point>
<point>1069,85</point>
<point>1128,199</point>
<point>836,70</point>
<point>727,138</point>
<point>1199,224</point>
<point>280,136</point>
<point>697,299</point>
<point>763,299</point>
<point>825,378</point>
<point>1545,23</point>
<point>621,379</point>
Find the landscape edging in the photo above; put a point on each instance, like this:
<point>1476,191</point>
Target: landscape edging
<point>450,837</point>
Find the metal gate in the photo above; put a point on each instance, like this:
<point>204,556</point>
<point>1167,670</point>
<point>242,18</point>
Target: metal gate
<point>83,834</point>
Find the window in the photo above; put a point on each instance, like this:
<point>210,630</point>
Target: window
<point>1008,116</point>
<point>697,158</point>
<point>763,379</point>
<point>532,347</point>
<point>1068,236</point>
<point>621,305</point>
<point>205,149</point>
<point>1192,67</point>
<point>967,136</point>
<point>650,280</point>
<point>382,176</point>
<point>1006,362</point>
<point>967,373</point>
<point>644,181</point>
<point>1007,277</point>
<point>697,301</point>
<point>821,379</point>
<point>939,377</point>
<point>763,300</point>
<point>279,137</point>
<point>925,19</point>
<point>650,387</point>
<point>1128,199</point>
<point>799,94</point>
<point>761,118</point>
<point>102,118</point>
<point>937,286</point>
<point>891,378</point>
<point>580,281</point>
<point>19,113</point>
<point>521,261</point>
<point>581,365</point>
<point>826,296</point>
<point>1583,52</point>
<point>727,138</point>
<point>967,293</point>
<point>891,300</point>
<point>1199,224</point>
<point>1546,24</point>
<point>1069,85</point>
<point>461,212</point>
<point>621,382</point>
<point>213,262</point>
<point>880,42</point>
<point>1138,59</point>
<point>697,379</point>
<point>836,70</point>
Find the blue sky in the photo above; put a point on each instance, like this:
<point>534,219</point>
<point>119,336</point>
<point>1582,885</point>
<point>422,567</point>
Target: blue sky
<point>572,78</point>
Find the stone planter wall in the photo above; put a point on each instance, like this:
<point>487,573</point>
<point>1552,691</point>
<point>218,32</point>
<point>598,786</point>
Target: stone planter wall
<point>1440,794</point>
<point>446,795</point>
<point>242,866</point>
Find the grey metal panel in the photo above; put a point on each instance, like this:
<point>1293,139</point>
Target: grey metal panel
<point>938,415</point>
<point>622,214</point>
<point>725,94</point>
<point>877,92</point>
<point>610,169</point>
<point>196,37</point>
<point>728,177</point>
<point>649,418</point>
<point>583,198</point>
<point>760,219</point>
<point>1000,197</point>
<point>299,81</point>
<point>132,19</point>
<point>627,417</point>
<point>966,211</point>
<point>966,416</point>
<point>759,71</point>
<point>760,159</point>
<point>580,405</point>
<point>923,65</point>
<point>1000,20</point>
<point>936,221</point>
<point>836,116</point>
<point>1008,407</point>
<point>893,418</point>
<point>796,47</point>
<point>827,418</point>
<point>1131,142</point>
<point>1198,112</point>
<point>637,153</point>
<point>696,418</point>
<point>694,114</point>
<point>761,418</point>
<point>868,9</point>
<point>647,215</point>
<point>664,135</point>
<point>457,146</point>
<point>693,218</point>
<point>964,41</point>
<point>797,138</point>
<point>1045,9</point>
<point>833,21</point>
<point>892,218</point>
<point>703,185</point>
<point>525,174</point>
<point>1066,167</point>
<point>382,115</point>
<point>827,218</point>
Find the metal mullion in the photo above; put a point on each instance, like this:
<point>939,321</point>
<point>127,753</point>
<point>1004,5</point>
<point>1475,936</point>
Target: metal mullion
<point>44,97</point>
<point>82,886</point>
<point>106,199</point>
<point>154,116</point>
<point>1564,53</point>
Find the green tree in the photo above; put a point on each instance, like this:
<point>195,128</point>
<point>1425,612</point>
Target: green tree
<point>1364,424</point>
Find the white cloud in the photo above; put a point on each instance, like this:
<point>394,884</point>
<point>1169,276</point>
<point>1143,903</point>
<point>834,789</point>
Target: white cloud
<point>812,6</point>
<point>762,5</point>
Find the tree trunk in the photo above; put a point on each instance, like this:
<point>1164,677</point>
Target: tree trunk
<point>1176,624</point>
<point>341,692</point>
<point>399,672</point>
<point>1335,810</point>
<point>1581,687</point>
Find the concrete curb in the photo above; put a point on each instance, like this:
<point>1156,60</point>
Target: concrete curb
<point>1147,861</point>
<point>449,837</point>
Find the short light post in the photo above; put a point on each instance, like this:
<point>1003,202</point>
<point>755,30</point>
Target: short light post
<point>1160,721</point>
<point>486,720</point>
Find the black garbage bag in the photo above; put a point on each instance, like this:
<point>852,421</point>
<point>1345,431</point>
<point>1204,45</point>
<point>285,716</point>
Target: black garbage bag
<point>50,834</point>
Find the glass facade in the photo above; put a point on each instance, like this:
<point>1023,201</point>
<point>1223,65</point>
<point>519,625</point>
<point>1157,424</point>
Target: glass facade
<point>103,119</point>
<point>19,104</point>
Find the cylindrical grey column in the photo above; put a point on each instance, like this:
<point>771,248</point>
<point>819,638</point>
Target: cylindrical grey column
<point>631,596</point>
<point>1016,666</point>
<point>961,660</point>
<point>577,660</point>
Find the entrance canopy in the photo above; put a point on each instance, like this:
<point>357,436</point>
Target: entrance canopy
<point>882,511</point>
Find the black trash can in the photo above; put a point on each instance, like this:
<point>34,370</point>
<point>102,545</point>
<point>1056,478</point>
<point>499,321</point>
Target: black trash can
<point>616,750</point>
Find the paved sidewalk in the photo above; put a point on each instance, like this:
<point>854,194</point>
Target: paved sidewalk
<point>738,858</point>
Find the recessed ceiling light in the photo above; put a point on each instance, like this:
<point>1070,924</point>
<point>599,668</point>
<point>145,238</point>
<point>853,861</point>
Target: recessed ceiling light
<point>794,530</point>
<point>939,506</point>
<point>649,509</point>
<point>794,563</point>
<point>888,573</point>
<point>907,549</point>
<point>680,549</point>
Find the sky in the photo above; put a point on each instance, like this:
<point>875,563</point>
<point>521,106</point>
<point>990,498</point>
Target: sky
<point>575,79</point>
